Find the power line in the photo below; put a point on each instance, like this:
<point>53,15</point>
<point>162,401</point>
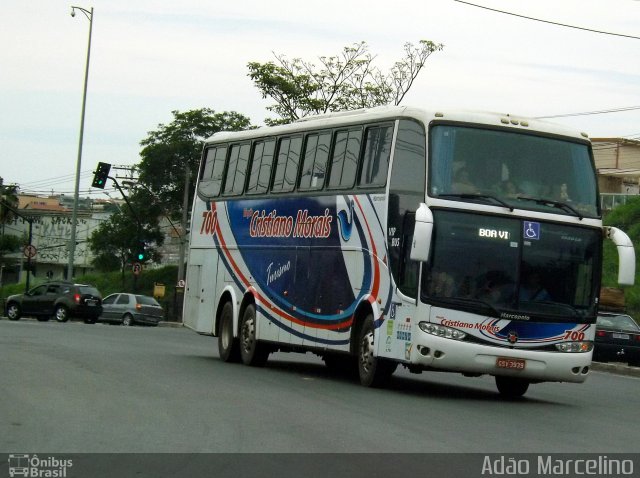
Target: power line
<point>612,110</point>
<point>548,21</point>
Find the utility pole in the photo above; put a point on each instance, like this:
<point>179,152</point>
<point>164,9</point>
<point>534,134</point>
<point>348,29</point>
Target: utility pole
<point>185,218</point>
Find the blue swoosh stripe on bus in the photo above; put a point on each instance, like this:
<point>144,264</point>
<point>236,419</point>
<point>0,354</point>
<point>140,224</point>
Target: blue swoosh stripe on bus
<point>301,335</point>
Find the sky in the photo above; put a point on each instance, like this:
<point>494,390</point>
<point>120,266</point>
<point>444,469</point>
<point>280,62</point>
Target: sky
<point>149,58</point>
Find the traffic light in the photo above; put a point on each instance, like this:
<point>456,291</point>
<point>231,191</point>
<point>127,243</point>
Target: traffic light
<point>100,175</point>
<point>141,252</point>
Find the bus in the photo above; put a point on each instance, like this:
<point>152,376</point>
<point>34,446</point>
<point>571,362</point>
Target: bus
<point>436,240</point>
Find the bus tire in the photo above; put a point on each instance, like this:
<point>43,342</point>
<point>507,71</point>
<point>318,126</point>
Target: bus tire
<point>511,387</point>
<point>228,346</point>
<point>252,351</point>
<point>373,371</point>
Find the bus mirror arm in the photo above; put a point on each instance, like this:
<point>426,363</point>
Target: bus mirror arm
<point>626,255</point>
<point>422,234</point>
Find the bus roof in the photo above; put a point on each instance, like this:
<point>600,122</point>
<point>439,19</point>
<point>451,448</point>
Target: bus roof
<point>381,113</point>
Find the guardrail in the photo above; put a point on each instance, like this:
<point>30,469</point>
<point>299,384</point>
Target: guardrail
<point>608,201</point>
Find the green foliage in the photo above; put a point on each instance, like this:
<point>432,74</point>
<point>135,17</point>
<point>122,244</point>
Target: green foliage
<point>116,242</point>
<point>342,82</point>
<point>172,148</point>
<point>8,200</point>
<point>627,218</point>
<point>109,283</point>
<point>10,244</point>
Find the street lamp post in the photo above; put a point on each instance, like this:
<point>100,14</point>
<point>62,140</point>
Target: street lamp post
<point>74,217</point>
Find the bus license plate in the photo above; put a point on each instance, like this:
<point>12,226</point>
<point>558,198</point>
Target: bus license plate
<point>514,364</point>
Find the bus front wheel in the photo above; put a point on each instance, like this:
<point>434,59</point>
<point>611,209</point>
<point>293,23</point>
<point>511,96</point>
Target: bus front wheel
<point>251,350</point>
<point>511,387</point>
<point>228,346</point>
<point>373,371</point>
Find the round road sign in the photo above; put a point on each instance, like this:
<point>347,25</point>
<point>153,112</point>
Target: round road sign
<point>30,251</point>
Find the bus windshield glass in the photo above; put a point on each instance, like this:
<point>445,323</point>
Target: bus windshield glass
<point>512,266</point>
<point>515,170</point>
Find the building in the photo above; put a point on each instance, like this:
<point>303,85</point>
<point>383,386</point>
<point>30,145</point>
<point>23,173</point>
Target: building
<point>51,233</point>
<point>618,164</point>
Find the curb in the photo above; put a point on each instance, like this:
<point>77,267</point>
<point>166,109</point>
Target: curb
<point>616,368</point>
<point>170,324</point>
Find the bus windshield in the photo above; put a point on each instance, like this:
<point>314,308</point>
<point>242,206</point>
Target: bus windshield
<point>522,268</point>
<point>512,169</point>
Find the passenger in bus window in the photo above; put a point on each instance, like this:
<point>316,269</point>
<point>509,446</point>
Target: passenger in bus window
<point>528,188</point>
<point>506,189</point>
<point>495,287</point>
<point>462,183</point>
<point>532,288</point>
<point>441,284</point>
<point>560,192</point>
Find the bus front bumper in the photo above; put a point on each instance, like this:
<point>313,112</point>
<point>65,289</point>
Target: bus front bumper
<point>432,352</point>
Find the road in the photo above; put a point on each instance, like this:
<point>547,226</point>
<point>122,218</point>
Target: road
<point>76,388</point>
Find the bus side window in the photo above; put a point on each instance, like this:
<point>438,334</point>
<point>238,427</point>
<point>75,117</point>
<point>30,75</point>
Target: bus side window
<point>237,169</point>
<point>377,151</point>
<point>409,270</point>
<point>316,155</point>
<point>344,161</point>
<point>211,178</point>
<point>284,178</point>
<point>406,192</point>
<point>261,163</point>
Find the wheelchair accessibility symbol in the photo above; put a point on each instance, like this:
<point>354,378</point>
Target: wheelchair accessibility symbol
<point>531,230</point>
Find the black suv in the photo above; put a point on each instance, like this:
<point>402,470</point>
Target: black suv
<point>61,300</point>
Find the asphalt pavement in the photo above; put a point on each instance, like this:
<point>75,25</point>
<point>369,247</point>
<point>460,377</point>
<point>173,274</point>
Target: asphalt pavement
<point>617,368</point>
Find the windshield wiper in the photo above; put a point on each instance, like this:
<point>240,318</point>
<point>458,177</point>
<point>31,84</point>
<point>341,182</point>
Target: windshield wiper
<point>574,312</point>
<point>467,302</point>
<point>551,202</point>
<point>479,196</point>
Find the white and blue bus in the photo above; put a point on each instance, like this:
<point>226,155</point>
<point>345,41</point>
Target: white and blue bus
<point>436,240</point>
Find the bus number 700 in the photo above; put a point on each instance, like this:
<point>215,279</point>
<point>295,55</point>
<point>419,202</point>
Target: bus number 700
<point>573,335</point>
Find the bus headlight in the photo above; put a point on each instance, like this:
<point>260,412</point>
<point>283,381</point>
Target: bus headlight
<point>441,331</point>
<point>575,347</point>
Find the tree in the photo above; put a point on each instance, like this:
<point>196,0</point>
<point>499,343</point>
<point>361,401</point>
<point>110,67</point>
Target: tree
<point>115,242</point>
<point>8,201</point>
<point>342,82</point>
<point>171,149</point>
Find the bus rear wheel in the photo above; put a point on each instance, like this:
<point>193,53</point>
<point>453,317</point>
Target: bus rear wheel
<point>511,387</point>
<point>373,371</point>
<point>228,346</point>
<point>251,350</point>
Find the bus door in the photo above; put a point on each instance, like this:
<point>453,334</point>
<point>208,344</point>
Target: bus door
<point>396,334</point>
<point>301,300</point>
<point>201,291</point>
